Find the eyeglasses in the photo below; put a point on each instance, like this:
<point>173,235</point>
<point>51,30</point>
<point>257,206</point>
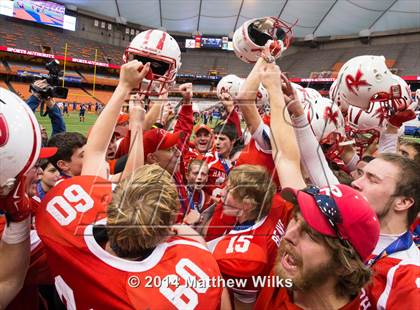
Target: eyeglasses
<point>329,209</point>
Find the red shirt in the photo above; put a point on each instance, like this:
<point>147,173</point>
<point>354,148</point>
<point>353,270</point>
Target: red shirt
<point>253,154</point>
<point>279,298</point>
<point>249,253</point>
<point>219,169</point>
<point>396,278</point>
<point>88,277</point>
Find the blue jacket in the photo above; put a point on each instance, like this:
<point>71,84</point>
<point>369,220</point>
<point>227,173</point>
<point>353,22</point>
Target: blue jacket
<point>54,113</point>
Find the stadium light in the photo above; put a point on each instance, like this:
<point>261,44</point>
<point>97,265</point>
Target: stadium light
<point>364,36</point>
<point>121,20</point>
<point>365,33</point>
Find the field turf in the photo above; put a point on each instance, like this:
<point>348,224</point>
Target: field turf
<point>73,123</point>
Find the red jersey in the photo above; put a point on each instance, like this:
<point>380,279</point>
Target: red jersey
<point>199,200</point>
<point>281,299</point>
<point>254,154</point>
<point>38,274</point>
<point>219,169</point>
<point>396,278</point>
<point>190,153</point>
<point>249,252</point>
<point>88,277</point>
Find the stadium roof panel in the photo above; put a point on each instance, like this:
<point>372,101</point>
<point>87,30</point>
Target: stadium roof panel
<point>219,17</point>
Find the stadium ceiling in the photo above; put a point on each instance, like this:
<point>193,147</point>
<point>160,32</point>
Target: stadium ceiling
<point>222,17</point>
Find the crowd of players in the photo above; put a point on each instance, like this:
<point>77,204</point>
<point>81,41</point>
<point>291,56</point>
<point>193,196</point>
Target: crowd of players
<point>313,206</point>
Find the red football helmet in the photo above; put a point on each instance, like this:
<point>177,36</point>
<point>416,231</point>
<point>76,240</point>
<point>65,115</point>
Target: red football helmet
<point>162,51</point>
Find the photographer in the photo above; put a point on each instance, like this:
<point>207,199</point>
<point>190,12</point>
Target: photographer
<point>54,113</point>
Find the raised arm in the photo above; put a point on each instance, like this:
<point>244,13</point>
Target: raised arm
<point>312,156</point>
<point>185,121</point>
<point>154,112</point>
<point>232,116</point>
<point>15,242</point>
<point>14,259</point>
<point>136,154</point>
<point>285,149</point>
<point>247,95</point>
<point>131,75</point>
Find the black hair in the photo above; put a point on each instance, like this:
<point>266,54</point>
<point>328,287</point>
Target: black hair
<point>66,143</point>
<point>226,129</point>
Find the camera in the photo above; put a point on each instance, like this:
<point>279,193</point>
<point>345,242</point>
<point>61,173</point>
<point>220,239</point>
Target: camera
<point>53,79</point>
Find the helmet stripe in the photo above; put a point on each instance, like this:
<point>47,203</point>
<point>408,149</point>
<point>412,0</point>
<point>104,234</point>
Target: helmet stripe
<point>161,41</point>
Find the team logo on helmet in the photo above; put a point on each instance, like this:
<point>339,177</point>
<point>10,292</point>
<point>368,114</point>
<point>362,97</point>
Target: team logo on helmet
<point>355,82</point>
<point>4,131</point>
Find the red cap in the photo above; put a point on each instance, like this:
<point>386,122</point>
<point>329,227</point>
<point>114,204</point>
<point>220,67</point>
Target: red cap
<point>359,226</point>
<point>202,127</point>
<point>123,118</point>
<point>159,139</point>
<point>47,152</point>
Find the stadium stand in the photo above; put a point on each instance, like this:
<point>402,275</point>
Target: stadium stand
<point>299,64</point>
<point>3,84</point>
<point>22,89</point>
<point>101,95</point>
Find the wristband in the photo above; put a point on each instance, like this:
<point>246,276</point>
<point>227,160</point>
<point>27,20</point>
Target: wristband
<point>15,233</point>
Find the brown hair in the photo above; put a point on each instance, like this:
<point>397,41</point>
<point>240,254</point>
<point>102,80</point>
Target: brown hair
<point>143,208</point>
<point>408,182</point>
<point>198,162</point>
<point>253,183</point>
<point>351,273</point>
<point>416,146</point>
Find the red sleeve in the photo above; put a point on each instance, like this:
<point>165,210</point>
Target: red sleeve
<point>219,223</point>
<point>233,118</point>
<point>124,146</point>
<point>185,123</point>
<point>112,163</point>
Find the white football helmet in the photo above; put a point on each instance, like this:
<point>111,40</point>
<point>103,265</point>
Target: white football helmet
<point>365,127</point>
<point>20,136</point>
<point>230,84</point>
<point>327,124</point>
<point>336,98</point>
<point>417,98</point>
<point>301,93</point>
<point>313,93</point>
<point>365,79</point>
<point>250,38</point>
<point>162,51</point>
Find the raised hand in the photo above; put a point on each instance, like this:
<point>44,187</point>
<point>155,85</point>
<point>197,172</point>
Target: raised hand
<point>16,204</point>
<point>132,73</point>
<point>186,91</point>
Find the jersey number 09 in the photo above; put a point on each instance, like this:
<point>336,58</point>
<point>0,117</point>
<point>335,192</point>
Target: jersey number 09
<point>60,207</point>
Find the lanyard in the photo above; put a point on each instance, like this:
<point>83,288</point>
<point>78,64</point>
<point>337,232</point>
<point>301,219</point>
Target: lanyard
<point>199,205</point>
<point>41,193</point>
<point>403,243</point>
<point>225,165</point>
<point>416,235</point>
<point>244,225</point>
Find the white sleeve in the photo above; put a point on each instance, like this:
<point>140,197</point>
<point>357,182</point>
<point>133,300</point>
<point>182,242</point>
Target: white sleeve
<point>312,157</point>
<point>388,143</point>
<point>262,138</point>
<point>351,165</point>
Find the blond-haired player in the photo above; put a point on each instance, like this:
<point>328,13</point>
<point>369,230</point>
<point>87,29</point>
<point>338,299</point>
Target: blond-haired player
<point>120,250</point>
